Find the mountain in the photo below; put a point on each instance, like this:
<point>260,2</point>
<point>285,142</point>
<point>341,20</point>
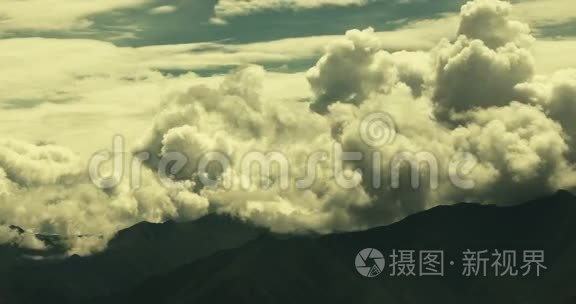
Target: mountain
<point>218,259</point>
<point>322,270</point>
<point>132,255</point>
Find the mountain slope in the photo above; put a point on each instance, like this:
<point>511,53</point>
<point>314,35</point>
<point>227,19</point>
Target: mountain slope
<point>133,255</point>
<point>320,270</point>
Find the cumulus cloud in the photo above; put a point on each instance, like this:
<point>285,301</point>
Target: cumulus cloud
<point>474,100</point>
<point>44,189</point>
<point>357,65</point>
<point>469,74</point>
<point>32,165</point>
<point>522,147</point>
<point>562,102</point>
<point>489,58</point>
<point>351,69</point>
<point>234,121</point>
<point>556,96</point>
<point>520,151</point>
<point>490,22</point>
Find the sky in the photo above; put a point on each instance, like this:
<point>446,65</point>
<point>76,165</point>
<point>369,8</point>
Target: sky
<point>74,61</point>
<point>53,62</point>
<point>490,78</point>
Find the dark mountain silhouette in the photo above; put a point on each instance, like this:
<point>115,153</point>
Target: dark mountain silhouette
<point>321,270</point>
<point>133,255</point>
<point>219,260</point>
<point>12,255</point>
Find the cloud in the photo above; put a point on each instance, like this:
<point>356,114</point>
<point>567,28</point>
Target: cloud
<point>225,9</point>
<point>25,240</point>
<point>99,84</point>
<point>521,152</point>
<point>357,66</point>
<point>520,144</point>
<point>30,165</point>
<point>44,191</point>
<point>469,74</point>
<point>233,119</point>
<point>56,15</point>
<point>489,58</point>
<point>561,105</point>
<point>165,9</point>
<point>556,95</point>
<point>489,21</point>
<point>545,12</point>
<point>351,69</point>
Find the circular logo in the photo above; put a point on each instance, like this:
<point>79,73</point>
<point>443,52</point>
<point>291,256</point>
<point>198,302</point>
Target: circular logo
<point>378,129</point>
<point>370,262</point>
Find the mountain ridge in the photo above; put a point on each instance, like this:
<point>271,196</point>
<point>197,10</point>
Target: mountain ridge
<point>312,270</point>
<point>226,258</point>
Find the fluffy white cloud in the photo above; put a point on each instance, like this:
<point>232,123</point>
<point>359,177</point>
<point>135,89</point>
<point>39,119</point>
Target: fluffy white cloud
<point>235,120</point>
<point>521,145</point>
<point>490,22</point>
<point>562,103</point>
<point>31,165</point>
<point>357,66</point>
<point>46,190</point>
<point>352,68</point>
<point>489,58</point>
<point>556,95</point>
<point>469,74</point>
